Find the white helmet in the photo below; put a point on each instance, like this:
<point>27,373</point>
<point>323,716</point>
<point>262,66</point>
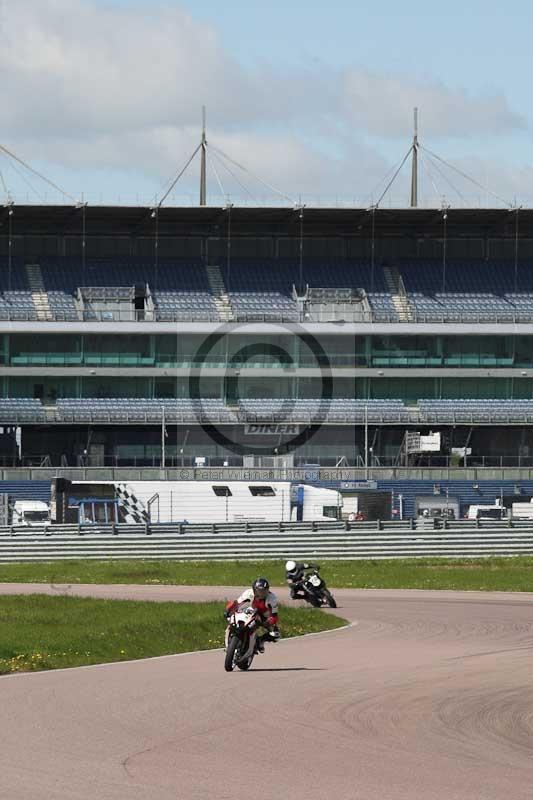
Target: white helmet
<point>290,566</point>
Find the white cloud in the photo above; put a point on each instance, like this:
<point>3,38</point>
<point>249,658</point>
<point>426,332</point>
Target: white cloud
<point>99,87</point>
<point>69,65</point>
<point>383,105</point>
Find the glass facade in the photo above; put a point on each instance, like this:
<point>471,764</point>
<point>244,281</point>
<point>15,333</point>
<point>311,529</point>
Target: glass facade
<point>241,350</point>
<point>237,365</point>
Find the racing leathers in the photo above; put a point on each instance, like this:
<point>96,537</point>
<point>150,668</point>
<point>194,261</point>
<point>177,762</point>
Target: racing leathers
<point>268,612</point>
<point>295,578</point>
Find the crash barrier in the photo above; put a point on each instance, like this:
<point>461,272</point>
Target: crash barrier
<point>190,529</point>
<point>368,541</point>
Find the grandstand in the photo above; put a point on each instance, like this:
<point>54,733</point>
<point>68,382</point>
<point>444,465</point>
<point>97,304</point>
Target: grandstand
<point>284,344</point>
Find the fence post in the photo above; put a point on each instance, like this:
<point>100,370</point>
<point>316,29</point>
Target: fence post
<point>147,529</point>
<point>380,525</point>
<point>180,528</point>
<point>411,524</point>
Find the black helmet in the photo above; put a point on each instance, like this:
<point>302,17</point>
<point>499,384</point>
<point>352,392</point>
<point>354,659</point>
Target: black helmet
<point>261,588</point>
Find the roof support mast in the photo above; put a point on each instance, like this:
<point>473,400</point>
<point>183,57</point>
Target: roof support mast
<point>414,169</point>
<point>203,145</point>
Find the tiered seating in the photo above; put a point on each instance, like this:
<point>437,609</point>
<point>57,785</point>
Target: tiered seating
<point>268,410</point>
<point>186,305</point>
<point>66,274</point>
<point>142,410</point>
<point>180,288</point>
<point>340,410</point>
<point>263,288</point>
<point>383,307</point>
<point>62,306</point>
<point>357,274</point>
<point>334,410</point>
<point>20,304</point>
<point>473,290</point>
<point>474,305</point>
<point>264,305</point>
<point>15,278</point>
<point>21,409</point>
<point>4,308</point>
<point>523,305</point>
<point>471,410</point>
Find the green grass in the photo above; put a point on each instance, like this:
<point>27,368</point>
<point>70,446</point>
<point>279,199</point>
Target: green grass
<point>40,632</point>
<point>491,574</point>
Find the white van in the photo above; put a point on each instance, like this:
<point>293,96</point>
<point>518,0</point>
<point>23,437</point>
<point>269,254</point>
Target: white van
<point>495,511</point>
<point>30,514</point>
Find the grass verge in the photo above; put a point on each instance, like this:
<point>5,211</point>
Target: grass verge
<point>40,632</point>
<point>485,574</point>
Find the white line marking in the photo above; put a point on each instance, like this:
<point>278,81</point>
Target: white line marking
<point>161,658</point>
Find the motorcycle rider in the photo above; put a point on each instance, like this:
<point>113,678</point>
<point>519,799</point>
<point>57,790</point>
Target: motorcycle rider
<point>266,603</point>
<point>295,574</point>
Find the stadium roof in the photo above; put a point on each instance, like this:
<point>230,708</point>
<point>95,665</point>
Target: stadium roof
<point>211,220</point>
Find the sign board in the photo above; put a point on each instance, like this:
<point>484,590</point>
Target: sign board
<point>430,443</point>
<point>263,429</point>
<point>416,443</point>
<point>461,451</point>
<point>352,486</point>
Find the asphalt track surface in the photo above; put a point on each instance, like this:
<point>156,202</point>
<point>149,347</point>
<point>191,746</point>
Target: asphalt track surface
<point>426,695</point>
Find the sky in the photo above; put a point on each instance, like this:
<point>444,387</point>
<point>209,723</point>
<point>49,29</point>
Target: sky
<point>306,101</point>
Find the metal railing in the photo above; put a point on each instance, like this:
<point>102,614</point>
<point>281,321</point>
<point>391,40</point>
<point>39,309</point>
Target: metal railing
<point>149,469</point>
<point>244,528</point>
<point>199,315</point>
<point>122,415</point>
<point>259,541</point>
<point>194,361</point>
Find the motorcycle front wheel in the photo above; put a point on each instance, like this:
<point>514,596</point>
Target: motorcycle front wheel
<point>246,664</point>
<point>231,650</point>
<point>330,599</point>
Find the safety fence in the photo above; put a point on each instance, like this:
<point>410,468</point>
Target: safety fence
<point>259,541</point>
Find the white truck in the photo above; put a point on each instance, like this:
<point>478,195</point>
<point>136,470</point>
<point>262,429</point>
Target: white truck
<point>522,510</point>
<point>30,514</point>
<point>494,511</point>
<point>170,501</point>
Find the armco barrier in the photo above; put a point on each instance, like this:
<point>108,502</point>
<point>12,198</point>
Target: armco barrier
<point>202,543</point>
<point>206,527</point>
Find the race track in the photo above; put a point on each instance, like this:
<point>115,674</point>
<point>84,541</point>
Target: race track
<point>427,695</point>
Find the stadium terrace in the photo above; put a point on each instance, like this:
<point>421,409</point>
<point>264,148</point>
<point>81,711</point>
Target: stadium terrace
<point>267,338</point>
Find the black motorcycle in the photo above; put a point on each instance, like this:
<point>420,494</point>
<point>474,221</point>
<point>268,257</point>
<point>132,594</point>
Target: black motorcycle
<point>313,589</point>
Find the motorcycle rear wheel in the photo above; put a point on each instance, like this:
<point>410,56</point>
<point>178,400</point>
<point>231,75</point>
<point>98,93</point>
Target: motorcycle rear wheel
<point>231,651</point>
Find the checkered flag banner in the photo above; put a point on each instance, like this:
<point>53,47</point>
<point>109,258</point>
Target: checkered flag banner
<point>133,509</point>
